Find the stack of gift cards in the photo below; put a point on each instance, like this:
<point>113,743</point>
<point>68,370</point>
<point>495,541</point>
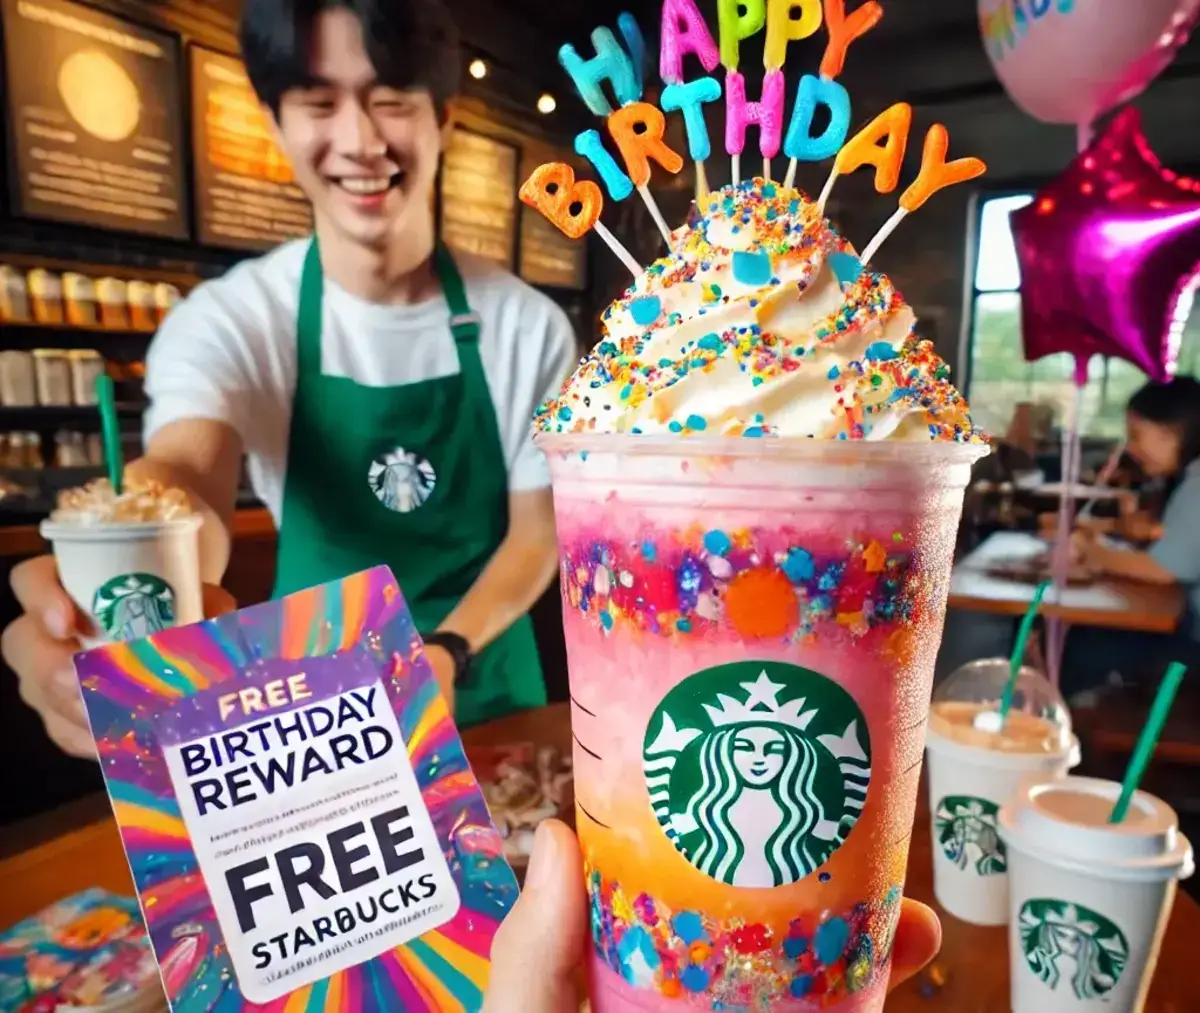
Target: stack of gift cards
<point>299,815</point>
<point>86,954</point>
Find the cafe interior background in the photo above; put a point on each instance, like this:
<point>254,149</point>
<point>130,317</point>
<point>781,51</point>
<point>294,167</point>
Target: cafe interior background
<point>223,194</point>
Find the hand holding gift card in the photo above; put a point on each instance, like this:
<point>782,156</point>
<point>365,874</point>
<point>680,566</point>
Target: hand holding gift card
<point>296,806</point>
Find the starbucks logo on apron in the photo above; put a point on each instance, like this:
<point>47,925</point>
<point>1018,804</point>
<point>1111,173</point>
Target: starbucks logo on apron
<point>401,480</point>
<point>757,771</point>
<point>133,606</point>
<point>1073,946</point>
<point>966,833</point>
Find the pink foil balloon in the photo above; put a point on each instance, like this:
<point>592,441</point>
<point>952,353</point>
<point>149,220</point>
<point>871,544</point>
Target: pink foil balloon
<point>1068,61</point>
<point>1110,256</point>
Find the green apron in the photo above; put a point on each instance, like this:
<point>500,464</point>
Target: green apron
<point>411,476</point>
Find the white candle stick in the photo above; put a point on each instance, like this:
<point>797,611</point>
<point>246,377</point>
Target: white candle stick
<point>655,213</point>
<point>623,254</point>
<point>827,190</point>
<point>701,182</point>
<point>790,179</point>
<point>766,168</point>
<point>735,165</point>
<point>888,228</point>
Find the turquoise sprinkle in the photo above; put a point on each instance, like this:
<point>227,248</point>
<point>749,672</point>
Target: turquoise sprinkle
<point>881,351</point>
<point>754,431</point>
<point>646,310</point>
<point>683,625</point>
<point>564,413</point>
<point>717,543</point>
<point>697,422</point>
<point>606,620</point>
<point>833,372</point>
<point>675,427</point>
<point>626,391</point>
<point>711,342</point>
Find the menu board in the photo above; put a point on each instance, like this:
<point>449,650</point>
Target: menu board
<point>479,196</point>
<point>245,196</point>
<point>548,257</point>
<point>94,103</point>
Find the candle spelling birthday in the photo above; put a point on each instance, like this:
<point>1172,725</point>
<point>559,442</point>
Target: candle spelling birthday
<point>637,129</point>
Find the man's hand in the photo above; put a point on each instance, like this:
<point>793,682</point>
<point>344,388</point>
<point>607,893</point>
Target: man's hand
<point>40,645</point>
<point>442,663</point>
<point>541,944</point>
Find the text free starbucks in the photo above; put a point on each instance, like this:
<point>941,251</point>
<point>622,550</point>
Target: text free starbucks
<point>245,764</point>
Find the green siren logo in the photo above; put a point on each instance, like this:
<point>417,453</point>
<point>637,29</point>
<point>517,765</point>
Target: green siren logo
<point>1072,942</point>
<point>966,833</point>
<point>757,771</point>
<point>133,606</point>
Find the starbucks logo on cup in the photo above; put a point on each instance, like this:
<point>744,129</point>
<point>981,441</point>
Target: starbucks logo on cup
<point>133,606</point>
<point>401,480</point>
<point>1072,946</point>
<point>966,833</point>
<point>757,771</point>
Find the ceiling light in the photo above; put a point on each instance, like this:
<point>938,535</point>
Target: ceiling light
<point>546,103</point>
<point>478,69</point>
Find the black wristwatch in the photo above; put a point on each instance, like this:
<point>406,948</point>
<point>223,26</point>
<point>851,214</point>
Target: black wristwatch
<point>458,649</point>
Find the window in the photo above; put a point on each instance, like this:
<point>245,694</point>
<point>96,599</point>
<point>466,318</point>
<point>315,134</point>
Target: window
<point>1000,378</point>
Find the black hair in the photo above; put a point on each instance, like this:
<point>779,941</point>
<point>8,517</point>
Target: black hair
<point>1175,404</point>
<point>411,44</point>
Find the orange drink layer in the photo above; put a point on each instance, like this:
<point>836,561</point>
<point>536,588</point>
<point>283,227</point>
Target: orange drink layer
<point>751,630</point>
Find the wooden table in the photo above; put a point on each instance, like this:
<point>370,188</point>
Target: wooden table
<point>970,975</point>
<point>1116,604</point>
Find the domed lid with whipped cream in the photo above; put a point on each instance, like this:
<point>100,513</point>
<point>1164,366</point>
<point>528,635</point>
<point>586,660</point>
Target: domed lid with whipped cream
<point>761,322</point>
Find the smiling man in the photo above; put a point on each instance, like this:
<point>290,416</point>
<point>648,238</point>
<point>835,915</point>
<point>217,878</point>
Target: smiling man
<point>380,388</point>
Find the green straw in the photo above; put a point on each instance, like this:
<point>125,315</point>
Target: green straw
<point>1146,742</point>
<point>1018,654</point>
<point>111,431</point>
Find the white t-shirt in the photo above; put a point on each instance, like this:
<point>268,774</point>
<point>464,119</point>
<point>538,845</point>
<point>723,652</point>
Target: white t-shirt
<point>228,353</point>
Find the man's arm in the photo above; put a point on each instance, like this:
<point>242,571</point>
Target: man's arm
<point>515,577</point>
<point>203,458</point>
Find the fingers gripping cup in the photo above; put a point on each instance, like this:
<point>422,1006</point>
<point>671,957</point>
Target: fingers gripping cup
<point>1089,899</point>
<point>131,562</point>
<point>974,766</point>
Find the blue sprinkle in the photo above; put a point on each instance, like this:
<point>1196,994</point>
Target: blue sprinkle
<point>606,620</point>
<point>711,342</point>
<point>794,948</point>
<point>717,543</point>
<point>675,427</point>
<point>801,986</point>
<point>649,552</point>
<point>798,567</point>
<point>564,413</point>
<point>833,372</point>
<point>753,431</point>
<point>694,979</point>
<point>697,422</point>
<point>752,268</point>
<point>846,268</point>
<point>831,940</point>
<point>683,625</point>
<point>768,190</point>
<point>646,310</point>
<point>881,351</point>
<point>688,927</point>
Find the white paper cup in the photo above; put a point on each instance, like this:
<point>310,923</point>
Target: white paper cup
<point>1089,899</point>
<point>967,787</point>
<point>130,579</point>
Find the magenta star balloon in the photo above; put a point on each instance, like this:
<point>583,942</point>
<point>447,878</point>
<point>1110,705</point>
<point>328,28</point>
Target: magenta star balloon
<point>1110,256</point>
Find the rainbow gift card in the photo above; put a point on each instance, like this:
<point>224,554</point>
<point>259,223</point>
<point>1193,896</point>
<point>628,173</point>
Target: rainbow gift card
<point>303,827</point>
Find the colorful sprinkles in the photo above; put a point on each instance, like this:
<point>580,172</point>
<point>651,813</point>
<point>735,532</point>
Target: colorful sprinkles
<point>754,252</point>
<point>762,583</point>
<point>823,958</point>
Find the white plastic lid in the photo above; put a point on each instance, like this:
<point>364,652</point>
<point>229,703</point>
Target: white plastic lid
<point>1064,823</point>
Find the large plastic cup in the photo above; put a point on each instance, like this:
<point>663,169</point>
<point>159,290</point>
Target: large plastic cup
<point>751,630</point>
<point>1090,899</point>
<point>973,771</point>
<point>131,579</point>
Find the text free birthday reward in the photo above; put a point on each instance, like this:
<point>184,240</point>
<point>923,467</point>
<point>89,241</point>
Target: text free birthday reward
<point>233,768</point>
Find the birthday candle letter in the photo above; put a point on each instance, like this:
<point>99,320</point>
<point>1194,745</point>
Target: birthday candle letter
<point>572,206</point>
<point>891,128</point>
<point>814,92</point>
<point>683,32</point>
<point>844,30</point>
<point>735,26</point>
<point>611,63</point>
<point>690,99</point>
<point>768,113</point>
<point>782,28</point>
<point>631,32</point>
<point>637,146</point>
<point>936,173</point>
<point>590,146</point>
